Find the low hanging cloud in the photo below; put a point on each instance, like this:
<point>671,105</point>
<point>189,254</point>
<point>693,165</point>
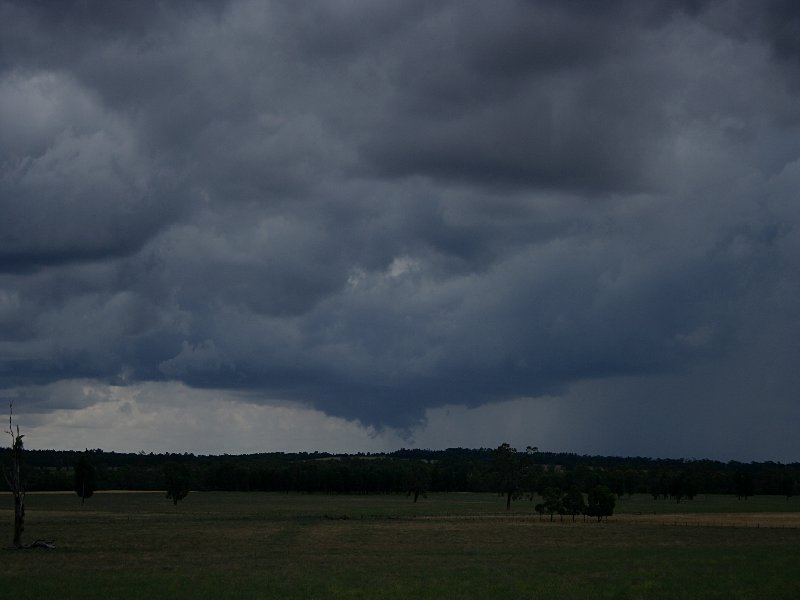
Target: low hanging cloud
<point>379,211</point>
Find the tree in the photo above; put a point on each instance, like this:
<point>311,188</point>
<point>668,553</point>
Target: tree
<point>176,479</point>
<point>744,485</point>
<point>632,481</point>
<point>552,498</point>
<point>574,503</point>
<point>418,478</point>
<point>677,487</point>
<point>15,478</point>
<point>691,486</point>
<point>787,486</point>
<point>510,469</point>
<point>84,478</point>
<point>601,502</point>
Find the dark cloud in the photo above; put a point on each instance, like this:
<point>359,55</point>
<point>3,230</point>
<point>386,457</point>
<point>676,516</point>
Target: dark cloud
<point>76,183</point>
<point>379,210</point>
<point>521,94</point>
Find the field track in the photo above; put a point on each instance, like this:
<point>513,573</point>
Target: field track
<point>756,519</point>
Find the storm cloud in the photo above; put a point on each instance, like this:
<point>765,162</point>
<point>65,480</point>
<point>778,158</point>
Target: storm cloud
<point>377,211</point>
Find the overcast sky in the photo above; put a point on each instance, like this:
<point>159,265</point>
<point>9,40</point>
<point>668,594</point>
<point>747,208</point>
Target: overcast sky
<point>355,226</point>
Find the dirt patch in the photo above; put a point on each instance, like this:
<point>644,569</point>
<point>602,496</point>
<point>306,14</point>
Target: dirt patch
<point>788,520</point>
<point>763,519</point>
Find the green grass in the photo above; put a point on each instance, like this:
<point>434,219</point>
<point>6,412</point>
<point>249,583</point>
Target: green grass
<point>231,545</point>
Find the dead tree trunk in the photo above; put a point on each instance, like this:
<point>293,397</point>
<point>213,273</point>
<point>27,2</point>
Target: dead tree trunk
<point>19,518</point>
<point>15,480</point>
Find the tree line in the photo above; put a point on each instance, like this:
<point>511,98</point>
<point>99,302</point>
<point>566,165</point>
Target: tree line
<point>415,472</point>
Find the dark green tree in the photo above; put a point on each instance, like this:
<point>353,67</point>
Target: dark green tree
<point>84,478</point>
<point>691,486</point>
<point>787,486</point>
<point>511,469</point>
<point>632,481</point>
<point>418,478</point>
<point>743,482</point>
<point>177,479</point>
<point>677,487</point>
<point>601,502</point>
<point>553,504</point>
<point>655,488</point>
<point>574,504</point>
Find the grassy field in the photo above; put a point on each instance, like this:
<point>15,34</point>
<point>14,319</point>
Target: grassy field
<point>231,545</point>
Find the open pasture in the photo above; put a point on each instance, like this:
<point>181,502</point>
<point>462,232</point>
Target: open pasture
<point>255,545</point>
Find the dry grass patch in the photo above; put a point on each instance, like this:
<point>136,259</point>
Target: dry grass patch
<point>757,519</point>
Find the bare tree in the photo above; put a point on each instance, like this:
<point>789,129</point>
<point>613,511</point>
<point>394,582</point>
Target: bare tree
<point>15,480</point>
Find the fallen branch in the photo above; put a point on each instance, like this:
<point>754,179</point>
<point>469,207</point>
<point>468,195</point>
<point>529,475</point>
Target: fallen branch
<point>39,544</point>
